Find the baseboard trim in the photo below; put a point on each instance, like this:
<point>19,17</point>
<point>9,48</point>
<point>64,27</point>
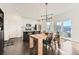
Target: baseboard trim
<point>13,38</point>
<point>71,40</point>
<point>5,40</point>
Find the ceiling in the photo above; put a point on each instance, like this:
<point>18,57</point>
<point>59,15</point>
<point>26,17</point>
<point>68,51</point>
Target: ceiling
<point>35,10</point>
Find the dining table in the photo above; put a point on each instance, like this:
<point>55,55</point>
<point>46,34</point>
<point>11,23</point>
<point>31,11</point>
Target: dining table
<point>39,38</point>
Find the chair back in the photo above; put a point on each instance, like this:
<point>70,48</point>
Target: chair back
<point>57,37</point>
<point>50,37</point>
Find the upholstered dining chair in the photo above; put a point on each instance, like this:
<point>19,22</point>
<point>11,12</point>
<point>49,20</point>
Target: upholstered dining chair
<point>48,42</point>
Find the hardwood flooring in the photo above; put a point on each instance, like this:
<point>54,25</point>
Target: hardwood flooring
<point>22,48</point>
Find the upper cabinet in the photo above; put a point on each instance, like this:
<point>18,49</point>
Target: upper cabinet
<point>1,20</point>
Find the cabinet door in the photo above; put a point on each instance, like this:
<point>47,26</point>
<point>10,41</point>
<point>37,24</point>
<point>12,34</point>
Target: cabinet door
<point>1,42</point>
<point>1,31</point>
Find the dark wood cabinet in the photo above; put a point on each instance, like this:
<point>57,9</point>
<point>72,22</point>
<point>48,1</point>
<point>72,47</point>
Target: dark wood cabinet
<point>1,31</point>
<point>26,35</point>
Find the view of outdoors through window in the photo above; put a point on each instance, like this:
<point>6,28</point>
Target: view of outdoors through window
<point>64,29</point>
<point>58,26</point>
<point>67,28</point>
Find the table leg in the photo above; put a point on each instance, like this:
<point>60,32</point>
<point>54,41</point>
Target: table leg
<point>31,42</point>
<point>40,47</point>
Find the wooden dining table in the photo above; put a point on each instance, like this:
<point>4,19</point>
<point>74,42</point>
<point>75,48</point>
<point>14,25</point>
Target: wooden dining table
<point>39,38</point>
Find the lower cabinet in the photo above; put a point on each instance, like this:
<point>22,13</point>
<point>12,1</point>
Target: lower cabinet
<point>26,35</point>
<point>1,42</point>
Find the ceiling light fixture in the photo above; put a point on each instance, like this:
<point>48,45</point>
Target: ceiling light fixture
<point>47,16</point>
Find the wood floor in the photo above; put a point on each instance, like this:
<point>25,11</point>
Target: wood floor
<point>22,48</point>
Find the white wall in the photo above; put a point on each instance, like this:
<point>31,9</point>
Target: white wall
<point>75,26</point>
<point>12,25</point>
<point>28,21</point>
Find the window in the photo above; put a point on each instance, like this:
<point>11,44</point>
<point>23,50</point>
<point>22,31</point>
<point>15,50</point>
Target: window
<point>67,28</point>
<point>58,26</point>
<point>64,27</point>
<point>48,26</point>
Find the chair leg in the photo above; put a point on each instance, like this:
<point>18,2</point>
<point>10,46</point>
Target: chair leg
<point>52,48</point>
<point>46,50</point>
<point>59,45</point>
<point>55,45</point>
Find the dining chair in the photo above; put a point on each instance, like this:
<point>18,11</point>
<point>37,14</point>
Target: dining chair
<point>57,40</point>
<point>48,42</point>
